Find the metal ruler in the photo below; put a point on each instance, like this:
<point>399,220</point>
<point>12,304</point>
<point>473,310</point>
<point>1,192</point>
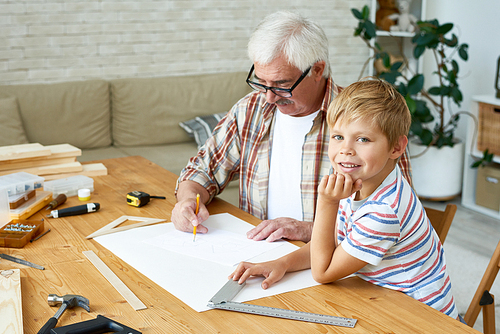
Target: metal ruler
<point>15,259</point>
<point>222,300</point>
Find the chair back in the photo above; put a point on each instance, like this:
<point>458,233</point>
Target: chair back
<point>441,220</point>
<point>483,299</point>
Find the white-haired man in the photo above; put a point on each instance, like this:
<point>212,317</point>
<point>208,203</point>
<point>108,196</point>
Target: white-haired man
<point>275,139</point>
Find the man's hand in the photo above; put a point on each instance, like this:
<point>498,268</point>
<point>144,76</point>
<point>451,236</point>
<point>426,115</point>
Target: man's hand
<point>183,214</point>
<point>281,228</point>
<point>273,271</point>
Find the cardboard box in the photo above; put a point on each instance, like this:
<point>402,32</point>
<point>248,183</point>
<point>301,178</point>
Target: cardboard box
<point>488,187</point>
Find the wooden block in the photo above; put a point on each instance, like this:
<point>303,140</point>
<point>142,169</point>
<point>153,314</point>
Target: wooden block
<point>13,165</point>
<point>64,150</point>
<point>11,316</point>
<point>23,151</point>
<point>72,167</point>
<point>126,293</point>
<point>89,170</point>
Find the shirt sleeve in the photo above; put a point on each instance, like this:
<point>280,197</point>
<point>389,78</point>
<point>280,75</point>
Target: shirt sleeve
<point>218,160</point>
<point>375,229</point>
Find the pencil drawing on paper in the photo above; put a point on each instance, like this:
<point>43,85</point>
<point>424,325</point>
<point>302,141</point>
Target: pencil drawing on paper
<point>219,246</point>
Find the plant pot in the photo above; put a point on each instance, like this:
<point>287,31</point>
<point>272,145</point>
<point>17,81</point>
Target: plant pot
<point>437,174</point>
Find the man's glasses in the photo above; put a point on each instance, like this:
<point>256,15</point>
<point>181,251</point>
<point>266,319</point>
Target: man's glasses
<point>283,92</point>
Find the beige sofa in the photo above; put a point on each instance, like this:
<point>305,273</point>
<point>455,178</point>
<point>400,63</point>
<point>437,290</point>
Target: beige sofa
<point>118,118</point>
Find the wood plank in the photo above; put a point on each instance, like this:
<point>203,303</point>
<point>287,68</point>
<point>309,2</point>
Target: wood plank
<point>11,315</point>
<point>115,281</point>
<point>90,170</point>
<point>12,165</point>
<point>23,151</point>
<point>72,167</point>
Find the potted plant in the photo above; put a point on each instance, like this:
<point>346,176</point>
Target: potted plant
<point>433,122</point>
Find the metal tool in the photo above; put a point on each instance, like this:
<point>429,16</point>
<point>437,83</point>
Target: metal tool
<point>75,210</point>
<point>222,300</point>
<point>100,324</point>
<point>67,301</point>
<point>140,198</point>
<point>60,199</point>
<point>21,261</point>
<point>41,235</point>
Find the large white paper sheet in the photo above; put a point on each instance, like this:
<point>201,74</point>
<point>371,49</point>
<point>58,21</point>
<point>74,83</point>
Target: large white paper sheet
<point>194,280</point>
<point>224,247</point>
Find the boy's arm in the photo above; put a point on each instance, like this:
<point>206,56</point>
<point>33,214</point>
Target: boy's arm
<point>328,262</point>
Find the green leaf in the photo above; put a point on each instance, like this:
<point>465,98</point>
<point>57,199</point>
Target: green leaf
<point>412,105</point>
<point>387,61</point>
<point>435,90</point>
<point>356,13</point>
<point>390,77</point>
<point>426,137</point>
<point>457,95</point>
<point>425,39</point>
<point>418,51</point>
<point>463,51</point>
<point>366,12</point>
<point>451,42</point>
<point>444,28</point>
<point>415,84</point>
<point>370,31</point>
<point>476,164</point>
<point>378,47</point>
<point>396,65</point>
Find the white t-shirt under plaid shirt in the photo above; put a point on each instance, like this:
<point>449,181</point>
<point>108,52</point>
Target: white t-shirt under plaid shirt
<point>391,232</point>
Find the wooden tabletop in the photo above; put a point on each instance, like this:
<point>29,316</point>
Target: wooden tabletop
<point>67,271</point>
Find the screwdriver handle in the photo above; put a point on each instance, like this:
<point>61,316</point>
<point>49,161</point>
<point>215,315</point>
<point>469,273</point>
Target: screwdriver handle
<point>60,199</point>
<point>75,210</point>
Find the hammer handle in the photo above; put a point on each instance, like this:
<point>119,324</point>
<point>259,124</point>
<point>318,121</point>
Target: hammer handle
<point>48,326</point>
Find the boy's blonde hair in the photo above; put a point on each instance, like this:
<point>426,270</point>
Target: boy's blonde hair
<point>376,101</point>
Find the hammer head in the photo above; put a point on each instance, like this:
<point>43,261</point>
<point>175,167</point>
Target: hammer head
<point>70,301</point>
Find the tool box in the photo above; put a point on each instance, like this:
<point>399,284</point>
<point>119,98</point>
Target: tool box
<point>19,232</point>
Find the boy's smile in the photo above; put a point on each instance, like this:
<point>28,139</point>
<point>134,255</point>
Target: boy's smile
<point>362,151</point>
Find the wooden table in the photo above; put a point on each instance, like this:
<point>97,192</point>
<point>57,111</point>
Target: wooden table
<point>67,271</point>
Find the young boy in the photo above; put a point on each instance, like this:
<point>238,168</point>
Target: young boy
<point>368,220</point>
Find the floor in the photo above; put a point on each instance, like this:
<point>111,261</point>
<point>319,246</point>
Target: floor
<point>468,248</point>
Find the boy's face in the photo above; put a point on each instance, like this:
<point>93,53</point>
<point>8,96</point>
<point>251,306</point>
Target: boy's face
<point>361,150</point>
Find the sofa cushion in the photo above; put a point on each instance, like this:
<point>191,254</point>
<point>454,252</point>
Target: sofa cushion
<point>71,112</point>
<point>147,111</point>
<point>201,127</point>
<point>11,126</point>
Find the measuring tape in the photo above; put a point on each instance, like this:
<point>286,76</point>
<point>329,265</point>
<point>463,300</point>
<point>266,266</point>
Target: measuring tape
<point>222,300</point>
<point>140,198</point>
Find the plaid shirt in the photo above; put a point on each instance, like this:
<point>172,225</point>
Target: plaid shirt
<point>240,147</point>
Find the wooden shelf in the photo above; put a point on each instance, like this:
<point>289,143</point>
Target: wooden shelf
<point>470,174</point>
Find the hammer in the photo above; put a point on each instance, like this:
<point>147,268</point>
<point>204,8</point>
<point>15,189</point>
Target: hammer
<point>67,301</point>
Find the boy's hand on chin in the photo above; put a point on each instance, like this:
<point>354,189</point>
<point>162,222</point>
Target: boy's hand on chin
<point>335,187</point>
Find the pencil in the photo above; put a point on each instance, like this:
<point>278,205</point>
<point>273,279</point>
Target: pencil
<point>196,213</point>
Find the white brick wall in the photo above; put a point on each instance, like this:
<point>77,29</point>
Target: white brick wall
<point>56,40</point>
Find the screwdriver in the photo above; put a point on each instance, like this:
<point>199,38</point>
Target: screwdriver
<point>75,210</point>
<point>60,199</point>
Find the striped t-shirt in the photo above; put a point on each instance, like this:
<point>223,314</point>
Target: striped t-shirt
<point>390,230</point>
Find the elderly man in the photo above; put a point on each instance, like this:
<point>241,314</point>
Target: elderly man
<point>275,140</point>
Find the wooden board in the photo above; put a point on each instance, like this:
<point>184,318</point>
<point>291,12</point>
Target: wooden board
<point>11,312</point>
<point>115,281</point>
<point>72,167</point>
<point>23,151</point>
<point>90,170</point>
